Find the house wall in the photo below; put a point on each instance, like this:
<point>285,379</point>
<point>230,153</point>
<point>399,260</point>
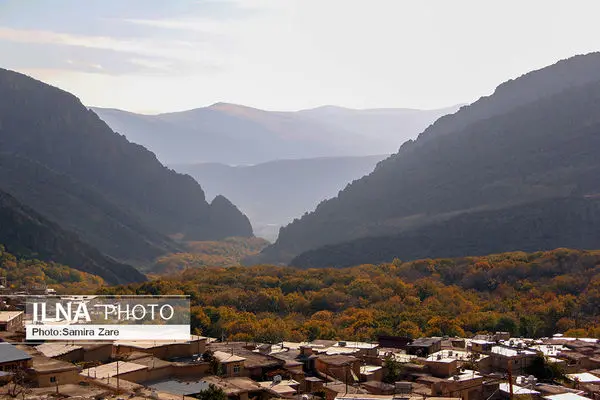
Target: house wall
<point>339,372</point>
<point>102,353</point>
<point>11,366</point>
<point>229,369</point>
<point>13,325</point>
<point>518,364</point>
<point>53,378</point>
<point>72,356</point>
<point>442,369</point>
<point>471,389</point>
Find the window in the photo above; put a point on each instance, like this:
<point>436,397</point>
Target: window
<point>236,369</point>
<point>52,379</point>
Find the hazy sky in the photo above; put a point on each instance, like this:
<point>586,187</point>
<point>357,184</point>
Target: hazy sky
<point>166,55</point>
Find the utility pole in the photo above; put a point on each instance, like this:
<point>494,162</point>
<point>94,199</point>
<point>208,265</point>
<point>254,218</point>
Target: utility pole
<point>346,376</point>
<point>510,384</point>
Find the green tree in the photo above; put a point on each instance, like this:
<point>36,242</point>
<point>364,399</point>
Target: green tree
<point>212,393</point>
<point>393,369</point>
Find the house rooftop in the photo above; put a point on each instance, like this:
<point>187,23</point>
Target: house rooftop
<point>377,385</point>
<point>424,342</point>
<point>510,351</point>
<point>338,359</point>
<point>9,353</point>
<point>517,390</point>
<point>150,344</point>
<point>110,370</point>
<point>44,364</point>
<point>181,388</point>
<point>584,377</point>
<point>465,376</point>
<point>225,358</point>
<point>566,396</point>
<point>252,359</point>
<point>56,349</point>
<point>364,396</point>
<point>7,316</point>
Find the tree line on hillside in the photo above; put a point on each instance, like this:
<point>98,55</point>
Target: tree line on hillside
<point>526,294</point>
<point>23,273</point>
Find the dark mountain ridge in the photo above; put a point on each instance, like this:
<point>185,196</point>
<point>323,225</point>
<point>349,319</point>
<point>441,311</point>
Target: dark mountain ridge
<point>59,158</point>
<point>25,233</point>
<point>492,154</point>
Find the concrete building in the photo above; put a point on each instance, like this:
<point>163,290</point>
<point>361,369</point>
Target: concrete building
<point>442,367</point>
<point>343,368</point>
<point>468,386</point>
<point>230,364</point>
<point>423,347</point>
<point>11,321</point>
<point>517,360</point>
<point>481,346</point>
<point>47,372</point>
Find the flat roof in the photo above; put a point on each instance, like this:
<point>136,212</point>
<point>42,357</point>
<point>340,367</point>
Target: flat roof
<point>356,345</point>
<point>9,353</point>
<point>584,377</point>
<point>181,388</point>
<point>505,387</point>
<point>279,388</point>
<point>56,349</point>
<point>335,350</point>
<point>150,344</point>
<point>44,364</point>
<point>110,370</point>
<point>511,352</point>
<point>7,316</point>
<point>466,375</point>
<point>424,342</point>
<point>224,357</point>
<point>566,396</point>
<point>365,396</point>
<point>367,369</point>
<point>338,359</point>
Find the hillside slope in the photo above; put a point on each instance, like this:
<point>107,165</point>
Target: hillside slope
<point>494,154</point>
<point>234,134</point>
<point>574,222</point>
<point>76,171</point>
<point>274,193</point>
<point>27,234</point>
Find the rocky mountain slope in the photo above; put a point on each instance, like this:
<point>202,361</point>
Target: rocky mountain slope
<point>535,138</point>
<point>25,233</point>
<point>63,161</point>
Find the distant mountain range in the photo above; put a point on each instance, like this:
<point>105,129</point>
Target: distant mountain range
<point>273,194</point>
<point>517,170</point>
<point>63,165</point>
<point>233,134</point>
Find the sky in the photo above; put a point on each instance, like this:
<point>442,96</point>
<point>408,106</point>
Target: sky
<point>154,56</point>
